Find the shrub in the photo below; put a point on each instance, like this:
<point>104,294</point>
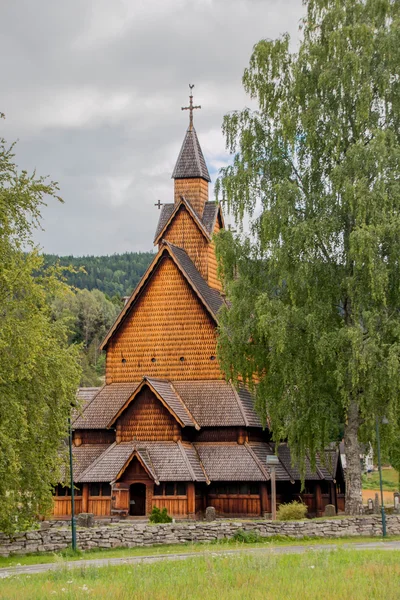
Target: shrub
<point>247,537</point>
<point>293,511</point>
<point>159,516</point>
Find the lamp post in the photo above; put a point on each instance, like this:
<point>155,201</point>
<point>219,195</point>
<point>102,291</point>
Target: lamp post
<point>73,524</point>
<point>378,442</point>
<point>272,462</point>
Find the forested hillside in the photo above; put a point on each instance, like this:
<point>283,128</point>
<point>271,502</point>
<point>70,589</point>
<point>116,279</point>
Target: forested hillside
<point>115,275</point>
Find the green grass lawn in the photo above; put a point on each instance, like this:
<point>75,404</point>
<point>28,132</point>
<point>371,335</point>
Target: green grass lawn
<point>390,480</point>
<point>338,575</point>
<point>67,555</point>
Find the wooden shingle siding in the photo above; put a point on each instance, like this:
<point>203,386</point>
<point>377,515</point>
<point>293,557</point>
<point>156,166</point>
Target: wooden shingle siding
<point>146,419</point>
<point>195,190</point>
<point>168,323</point>
<point>184,233</point>
<point>212,277</point>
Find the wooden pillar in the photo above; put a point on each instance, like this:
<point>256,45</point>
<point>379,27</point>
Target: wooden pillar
<point>191,500</point>
<point>318,499</point>
<point>242,436</point>
<point>273,493</point>
<point>264,499</point>
<point>85,498</point>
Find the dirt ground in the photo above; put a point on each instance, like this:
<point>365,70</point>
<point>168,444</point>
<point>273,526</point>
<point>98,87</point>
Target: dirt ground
<point>387,496</point>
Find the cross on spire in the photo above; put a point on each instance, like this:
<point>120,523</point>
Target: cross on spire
<point>159,204</point>
<point>190,108</point>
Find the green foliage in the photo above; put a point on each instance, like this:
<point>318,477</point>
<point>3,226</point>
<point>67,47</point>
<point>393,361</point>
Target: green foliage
<point>115,276</point>
<point>159,516</point>
<point>314,291</point>
<point>88,316</point>
<point>292,511</point>
<point>39,370</point>
<point>390,480</point>
<point>247,537</point>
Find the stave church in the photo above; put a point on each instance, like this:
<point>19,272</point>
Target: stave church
<point>167,429</point>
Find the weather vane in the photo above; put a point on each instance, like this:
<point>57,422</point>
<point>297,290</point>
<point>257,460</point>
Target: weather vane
<point>190,108</point>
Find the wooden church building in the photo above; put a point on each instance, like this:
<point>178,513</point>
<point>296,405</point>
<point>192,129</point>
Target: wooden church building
<point>166,429</point>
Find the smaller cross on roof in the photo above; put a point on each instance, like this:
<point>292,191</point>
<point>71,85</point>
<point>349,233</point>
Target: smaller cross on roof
<point>159,204</point>
<point>190,108</point>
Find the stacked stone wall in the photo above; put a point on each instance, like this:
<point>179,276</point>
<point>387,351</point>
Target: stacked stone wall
<point>129,534</point>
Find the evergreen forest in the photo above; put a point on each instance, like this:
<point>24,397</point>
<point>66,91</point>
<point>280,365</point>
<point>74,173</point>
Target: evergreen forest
<point>115,275</point>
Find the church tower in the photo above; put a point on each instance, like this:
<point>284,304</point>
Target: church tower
<point>166,429</point>
<point>191,175</point>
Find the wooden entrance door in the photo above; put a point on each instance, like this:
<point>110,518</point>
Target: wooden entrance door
<point>137,500</point>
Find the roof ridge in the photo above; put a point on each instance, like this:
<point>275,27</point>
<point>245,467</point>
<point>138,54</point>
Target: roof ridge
<point>257,460</point>
<point>89,403</point>
<point>96,460</point>
<point>186,460</point>
<point>208,481</point>
<point>196,425</point>
<point>246,422</point>
<point>193,213</point>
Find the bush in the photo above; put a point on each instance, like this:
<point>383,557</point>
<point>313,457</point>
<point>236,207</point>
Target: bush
<point>293,511</point>
<point>247,537</point>
<point>159,516</point>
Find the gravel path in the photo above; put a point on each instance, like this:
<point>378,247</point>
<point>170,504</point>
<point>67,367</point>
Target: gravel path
<point>103,562</point>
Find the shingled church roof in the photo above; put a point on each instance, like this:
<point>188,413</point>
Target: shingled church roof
<point>191,161</point>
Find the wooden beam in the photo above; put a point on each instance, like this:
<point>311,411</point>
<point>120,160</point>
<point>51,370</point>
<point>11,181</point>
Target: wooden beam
<point>85,498</point>
<point>191,500</point>
<point>264,498</point>
<point>318,499</point>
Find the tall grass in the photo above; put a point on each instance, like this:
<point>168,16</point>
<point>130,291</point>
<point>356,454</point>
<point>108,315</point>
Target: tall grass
<point>338,575</point>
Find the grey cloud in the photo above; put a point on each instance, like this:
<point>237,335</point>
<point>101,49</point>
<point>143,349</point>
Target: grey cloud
<point>93,90</point>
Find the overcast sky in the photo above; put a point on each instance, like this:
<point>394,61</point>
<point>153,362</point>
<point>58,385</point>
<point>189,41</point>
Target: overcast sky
<point>93,90</point>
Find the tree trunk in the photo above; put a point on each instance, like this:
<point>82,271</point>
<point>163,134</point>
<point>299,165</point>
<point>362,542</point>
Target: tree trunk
<point>353,463</point>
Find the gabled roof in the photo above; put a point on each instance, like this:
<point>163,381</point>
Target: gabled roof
<point>191,161</point>
<point>104,405</point>
<point>194,403</point>
<point>164,391</point>
<point>210,298</point>
<point>212,211</point>
<point>163,461</point>
<point>230,462</point>
<point>183,202</point>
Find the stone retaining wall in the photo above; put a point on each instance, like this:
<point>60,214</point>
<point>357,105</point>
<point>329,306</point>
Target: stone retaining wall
<point>129,534</point>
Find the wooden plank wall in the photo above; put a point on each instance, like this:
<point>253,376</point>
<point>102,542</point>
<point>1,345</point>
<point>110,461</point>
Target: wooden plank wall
<point>62,506</point>
<point>176,505</point>
<point>235,504</point>
<point>147,419</point>
<point>168,322</point>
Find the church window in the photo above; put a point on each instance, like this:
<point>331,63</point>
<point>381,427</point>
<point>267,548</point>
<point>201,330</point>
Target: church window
<point>153,360</point>
<point>169,489</point>
<point>181,489</point>
<point>213,357</point>
<point>158,490</point>
<point>105,489</point>
<point>94,489</point>
<point>182,359</point>
<point>254,488</point>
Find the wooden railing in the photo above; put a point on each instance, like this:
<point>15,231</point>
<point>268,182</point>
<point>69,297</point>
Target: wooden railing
<point>175,505</point>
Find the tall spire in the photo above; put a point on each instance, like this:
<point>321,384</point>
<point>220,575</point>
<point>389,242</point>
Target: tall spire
<point>191,163</point>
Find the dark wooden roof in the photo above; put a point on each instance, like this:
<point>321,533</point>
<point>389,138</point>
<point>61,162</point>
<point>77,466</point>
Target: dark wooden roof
<point>191,161</point>
<point>216,404</point>
<point>105,404</point>
<point>84,456</point>
<point>164,461</point>
<point>163,389</point>
<point>205,403</point>
<point>229,462</point>
<point>206,222</point>
<point>211,298</point>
